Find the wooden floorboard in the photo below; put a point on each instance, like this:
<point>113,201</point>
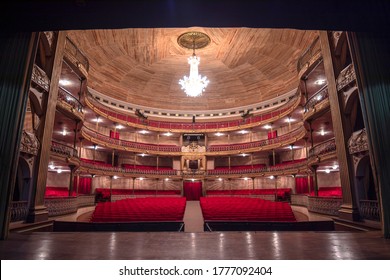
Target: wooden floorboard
<point>197,246</point>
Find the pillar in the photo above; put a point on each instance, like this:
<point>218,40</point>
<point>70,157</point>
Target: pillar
<point>342,131</point>
<point>111,178</point>
<point>315,167</point>
<point>371,59</point>
<point>38,211</point>
<point>16,63</point>
<point>71,178</point>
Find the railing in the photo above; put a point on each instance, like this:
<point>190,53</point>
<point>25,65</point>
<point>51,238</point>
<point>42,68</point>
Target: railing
<point>358,142</point>
<point>19,211</point>
<point>40,78</point>
<point>305,58</point>
<point>79,57</point>
<point>57,206</point>
<point>325,205</point>
<point>130,144</point>
<point>323,148</point>
<point>369,210</point>
<point>114,169</point>
<point>316,98</point>
<point>236,171</point>
<point>256,144</point>
<point>188,126</point>
<point>29,143</point>
<point>63,150</point>
<point>346,76</point>
<point>68,98</point>
<point>288,166</point>
<point>300,199</point>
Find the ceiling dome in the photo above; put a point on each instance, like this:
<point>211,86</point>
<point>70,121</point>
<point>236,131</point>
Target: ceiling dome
<point>143,66</point>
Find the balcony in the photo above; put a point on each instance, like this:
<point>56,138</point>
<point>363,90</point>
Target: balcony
<point>322,151</point>
<point>309,57</point>
<point>63,151</point>
<point>180,127</point>
<point>70,104</point>
<point>76,58</point>
<point>316,103</point>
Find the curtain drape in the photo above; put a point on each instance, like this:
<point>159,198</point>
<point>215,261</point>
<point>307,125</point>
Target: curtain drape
<point>192,190</point>
<point>301,185</point>
<point>114,135</point>
<point>84,186</point>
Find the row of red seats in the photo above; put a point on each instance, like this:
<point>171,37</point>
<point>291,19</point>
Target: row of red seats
<point>140,209</point>
<point>240,167</point>
<point>245,209</point>
<point>145,167</point>
<point>105,193</point>
<point>329,191</point>
<point>281,193</point>
<point>52,191</point>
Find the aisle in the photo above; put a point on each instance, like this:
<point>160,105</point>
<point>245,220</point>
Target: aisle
<point>193,218</point>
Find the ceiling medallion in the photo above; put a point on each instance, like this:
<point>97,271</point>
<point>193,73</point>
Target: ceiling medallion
<point>195,84</point>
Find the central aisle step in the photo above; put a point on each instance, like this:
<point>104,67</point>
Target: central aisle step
<point>193,218</point>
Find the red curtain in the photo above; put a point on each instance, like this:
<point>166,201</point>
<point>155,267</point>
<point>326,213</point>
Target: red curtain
<point>301,185</point>
<point>114,135</point>
<point>272,134</point>
<point>84,186</point>
<point>192,190</point>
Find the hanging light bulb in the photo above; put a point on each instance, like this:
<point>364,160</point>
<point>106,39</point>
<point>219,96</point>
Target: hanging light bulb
<point>195,84</point>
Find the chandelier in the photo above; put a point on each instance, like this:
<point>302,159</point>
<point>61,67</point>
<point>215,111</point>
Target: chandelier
<point>194,85</point>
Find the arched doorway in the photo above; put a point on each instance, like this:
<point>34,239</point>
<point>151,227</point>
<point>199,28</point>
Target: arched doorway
<point>22,188</point>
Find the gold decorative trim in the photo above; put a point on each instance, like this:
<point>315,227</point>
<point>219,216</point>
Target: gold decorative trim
<point>193,40</point>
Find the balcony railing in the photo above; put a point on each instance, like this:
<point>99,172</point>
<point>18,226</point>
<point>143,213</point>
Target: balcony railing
<point>40,78</point>
<point>63,150</point>
<point>256,144</point>
<point>369,210</point>
<point>114,169</point>
<point>19,210</point>
<point>313,50</point>
<point>325,147</point>
<point>316,98</point>
<point>78,57</point>
<point>130,144</point>
<point>188,126</point>
<point>68,98</point>
<point>346,76</point>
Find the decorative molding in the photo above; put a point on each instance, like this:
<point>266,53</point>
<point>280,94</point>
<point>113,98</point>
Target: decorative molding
<point>358,142</point>
<point>50,37</point>
<point>336,37</point>
<point>193,148</point>
<point>369,210</point>
<point>346,76</point>
<point>300,199</point>
<point>29,143</point>
<point>19,210</point>
<point>40,78</point>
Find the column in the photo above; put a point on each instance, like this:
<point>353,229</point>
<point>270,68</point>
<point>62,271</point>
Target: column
<point>342,131</point>
<point>38,211</point>
<point>71,178</point>
<point>253,183</point>
<point>276,187</point>
<point>371,59</point>
<point>113,158</point>
<point>315,167</point>
<point>111,178</point>
<point>16,63</point>
<point>294,190</point>
<point>133,185</point>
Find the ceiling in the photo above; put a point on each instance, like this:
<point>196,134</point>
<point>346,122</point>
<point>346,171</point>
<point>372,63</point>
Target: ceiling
<point>143,66</point>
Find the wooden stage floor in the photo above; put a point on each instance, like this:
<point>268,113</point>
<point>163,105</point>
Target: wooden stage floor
<point>196,246</point>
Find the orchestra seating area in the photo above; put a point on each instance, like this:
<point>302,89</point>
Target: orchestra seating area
<point>52,191</point>
<point>334,191</point>
<point>282,194</point>
<point>104,193</point>
<point>245,209</point>
<point>140,210</point>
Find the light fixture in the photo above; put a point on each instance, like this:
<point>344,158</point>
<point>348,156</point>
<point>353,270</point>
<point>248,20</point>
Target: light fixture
<point>51,166</point>
<point>97,119</point>
<point>195,84</point>
<point>115,177</point>
<point>267,126</point>
<point>219,179</point>
<point>141,179</point>
<point>64,82</point>
<point>289,120</point>
<point>327,170</point>
<point>335,166</point>
<point>168,133</point>
<point>143,131</point>
<point>320,82</point>
<point>322,132</point>
<point>291,147</point>
<point>142,155</point>
<point>218,134</point>
<point>59,171</point>
<point>193,180</point>
<point>243,131</point>
<point>166,179</point>
<point>64,132</point>
<point>272,177</point>
<point>119,126</point>
<point>246,178</point>
<point>95,146</point>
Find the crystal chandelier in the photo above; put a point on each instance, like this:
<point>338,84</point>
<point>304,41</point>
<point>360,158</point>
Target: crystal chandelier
<point>194,85</point>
